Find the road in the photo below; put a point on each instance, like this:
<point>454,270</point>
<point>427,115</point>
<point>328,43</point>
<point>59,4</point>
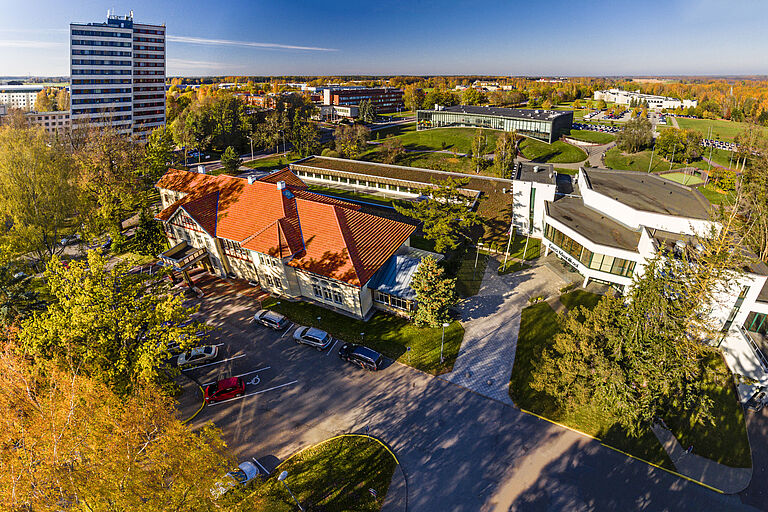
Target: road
<point>460,451</point>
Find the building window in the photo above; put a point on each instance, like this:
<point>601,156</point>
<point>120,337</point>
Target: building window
<point>317,291</point>
<point>233,250</point>
<point>594,261</point>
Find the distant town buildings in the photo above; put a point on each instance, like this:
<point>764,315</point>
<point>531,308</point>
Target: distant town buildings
<point>19,96</point>
<point>654,102</point>
<point>53,122</point>
<point>118,74</point>
<point>383,99</point>
<point>544,125</point>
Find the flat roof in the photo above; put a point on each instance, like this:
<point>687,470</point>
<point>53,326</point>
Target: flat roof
<point>592,224</point>
<point>649,193</point>
<point>492,188</point>
<point>538,173</point>
<point>518,113</point>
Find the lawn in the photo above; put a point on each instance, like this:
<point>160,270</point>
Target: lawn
<point>430,160</point>
<point>590,136</point>
<point>334,476</point>
<point>714,196</point>
<point>451,139</point>
<point>682,178</point>
<point>512,267</point>
<point>721,129</point>
<point>557,152</point>
<point>385,333</point>
<point>565,170</point>
<point>271,163</point>
<point>724,442</point>
<point>516,247</point>
<point>351,196</point>
<point>469,274</point>
<point>615,159</point>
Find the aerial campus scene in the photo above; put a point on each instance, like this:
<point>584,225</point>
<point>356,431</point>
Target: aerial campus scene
<point>383,256</point>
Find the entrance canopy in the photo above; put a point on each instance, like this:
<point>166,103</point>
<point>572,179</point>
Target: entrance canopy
<point>182,256</point>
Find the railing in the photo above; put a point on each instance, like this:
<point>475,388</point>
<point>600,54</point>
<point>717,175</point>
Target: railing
<point>758,352</point>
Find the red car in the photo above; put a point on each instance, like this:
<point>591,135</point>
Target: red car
<point>224,389</point>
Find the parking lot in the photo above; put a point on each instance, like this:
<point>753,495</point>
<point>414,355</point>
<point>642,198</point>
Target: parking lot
<point>460,451</point>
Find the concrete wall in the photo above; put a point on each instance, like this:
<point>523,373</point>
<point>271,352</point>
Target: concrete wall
<point>521,203</point>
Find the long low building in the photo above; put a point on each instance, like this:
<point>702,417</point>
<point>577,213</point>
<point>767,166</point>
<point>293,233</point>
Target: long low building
<point>544,125</point>
<point>654,102</point>
<point>613,222</point>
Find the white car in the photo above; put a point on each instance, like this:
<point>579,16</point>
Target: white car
<point>245,473</point>
<point>198,355</point>
<point>312,337</point>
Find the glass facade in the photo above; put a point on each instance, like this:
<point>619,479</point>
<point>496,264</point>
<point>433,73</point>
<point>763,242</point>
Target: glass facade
<point>592,260</point>
<point>533,128</point>
<point>756,322</point>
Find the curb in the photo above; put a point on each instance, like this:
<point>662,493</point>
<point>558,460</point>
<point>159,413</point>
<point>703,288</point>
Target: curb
<point>671,472</point>
<point>202,394</point>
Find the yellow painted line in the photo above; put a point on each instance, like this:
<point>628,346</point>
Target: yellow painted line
<point>202,393</point>
<point>671,472</point>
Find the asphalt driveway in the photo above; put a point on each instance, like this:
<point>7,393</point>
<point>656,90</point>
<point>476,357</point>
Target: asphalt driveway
<point>459,450</point>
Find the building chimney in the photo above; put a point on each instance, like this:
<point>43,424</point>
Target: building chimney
<point>252,179</point>
<point>280,185</point>
<point>201,169</point>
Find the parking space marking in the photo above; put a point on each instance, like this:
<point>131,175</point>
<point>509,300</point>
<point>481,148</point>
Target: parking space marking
<point>288,330</point>
<point>259,463</point>
<point>251,394</point>
<point>242,374</point>
<point>218,345</point>
<point>331,349</point>
<point>215,362</point>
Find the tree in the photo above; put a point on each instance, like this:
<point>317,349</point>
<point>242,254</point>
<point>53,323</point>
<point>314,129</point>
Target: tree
<point>109,182</point>
<point>646,356</point>
<point>679,145</point>
<point>504,154</point>
<point>435,293</point>
<point>231,160</point>
<point>305,137</point>
<point>751,203</point>
<point>635,135</point>
<point>62,100</point>
<point>73,445</point>
<point>351,140</point>
<point>158,153</point>
<point>472,96</point>
<point>479,145</point>
<point>413,97</point>
<point>272,129</point>
<point>546,105</point>
<point>45,100</point>
<point>366,112</point>
<point>182,133</point>
<point>392,149</point>
<point>601,105</point>
<point>38,193</point>
<point>115,326</point>
<point>445,215</point>
<point>17,298</point>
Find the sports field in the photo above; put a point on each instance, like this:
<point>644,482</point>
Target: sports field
<point>682,178</point>
<point>721,129</point>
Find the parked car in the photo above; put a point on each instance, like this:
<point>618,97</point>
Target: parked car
<point>245,472</point>
<point>224,390</point>
<point>313,337</point>
<point>363,357</point>
<point>198,355</point>
<point>271,319</point>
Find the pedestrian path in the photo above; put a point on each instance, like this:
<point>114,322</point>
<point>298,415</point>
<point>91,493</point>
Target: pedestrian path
<point>397,495</point>
<point>491,321</point>
<point>727,479</point>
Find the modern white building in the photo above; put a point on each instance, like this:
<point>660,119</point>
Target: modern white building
<point>609,223</point>
<point>19,96</point>
<point>654,102</point>
<point>118,74</point>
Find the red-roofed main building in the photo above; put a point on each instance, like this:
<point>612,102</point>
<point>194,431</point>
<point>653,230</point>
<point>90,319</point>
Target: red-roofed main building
<point>274,231</point>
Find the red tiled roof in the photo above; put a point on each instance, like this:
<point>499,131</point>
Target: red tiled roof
<point>326,236</point>
<point>285,175</point>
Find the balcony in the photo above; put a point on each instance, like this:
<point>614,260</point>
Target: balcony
<point>182,256</point>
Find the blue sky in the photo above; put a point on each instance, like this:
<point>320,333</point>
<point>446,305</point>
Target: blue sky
<point>256,37</point>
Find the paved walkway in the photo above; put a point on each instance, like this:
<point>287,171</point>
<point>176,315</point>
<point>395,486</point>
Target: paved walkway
<point>674,121</point>
<point>491,321</point>
<point>727,479</point>
<point>397,495</point>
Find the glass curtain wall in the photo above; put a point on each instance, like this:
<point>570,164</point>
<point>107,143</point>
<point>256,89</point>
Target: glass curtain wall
<point>594,261</point>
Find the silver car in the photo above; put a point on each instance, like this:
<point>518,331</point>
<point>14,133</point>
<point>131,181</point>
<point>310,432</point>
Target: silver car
<point>271,319</point>
<point>198,355</point>
<point>313,337</point>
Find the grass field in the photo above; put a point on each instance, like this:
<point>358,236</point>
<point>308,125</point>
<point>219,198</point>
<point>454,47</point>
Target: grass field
<point>557,152</point>
<point>721,129</point>
<point>725,441</point>
<point>590,136</point>
<point>682,178</point>
<point>352,196</point>
<point>615,159</point>
<point>271,162</point>
<point>714,196</point>
<point>333,476</point>
<point>385,333</point>
<point>451,139</point>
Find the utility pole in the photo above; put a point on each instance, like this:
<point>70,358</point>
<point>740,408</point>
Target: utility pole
<point>673,156</point>
<point>650,164</point>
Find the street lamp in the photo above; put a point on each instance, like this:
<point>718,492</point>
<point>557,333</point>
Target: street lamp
<point>442,342</point>
<point>282,478</point>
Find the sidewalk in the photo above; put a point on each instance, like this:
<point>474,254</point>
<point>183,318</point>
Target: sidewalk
<point>397,495</point>
<point>727,479</point>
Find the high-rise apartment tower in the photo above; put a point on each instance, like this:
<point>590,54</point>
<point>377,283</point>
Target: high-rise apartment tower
<point>118,74</point>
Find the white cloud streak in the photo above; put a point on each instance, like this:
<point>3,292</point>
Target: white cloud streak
<point>194,64</point>
<point>245,44</point>
<point>16,43</point>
